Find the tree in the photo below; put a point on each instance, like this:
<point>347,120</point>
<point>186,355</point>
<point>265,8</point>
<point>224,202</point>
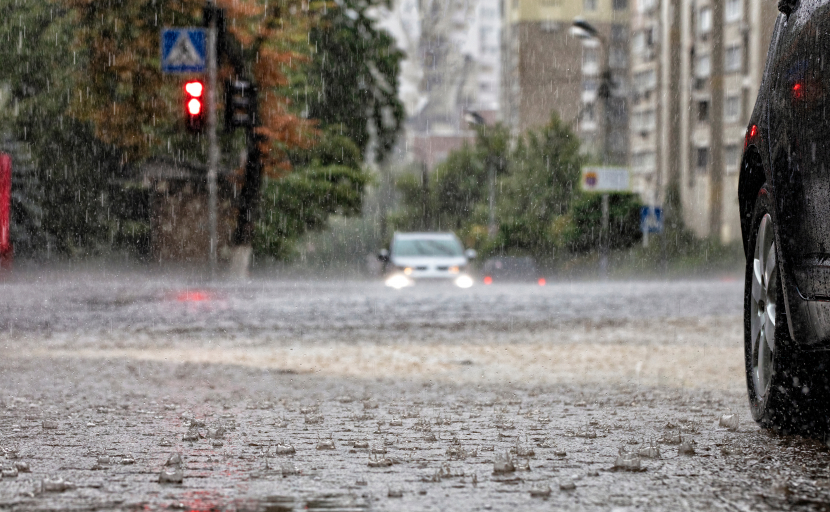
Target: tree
<point>353,77</point>
<point>134,106</point>
<point>91,114</point>
<point>456,192</point>
<point>64,201</point>
<point>583,233</point>
<point>349,86</point>
<point>542,183</point>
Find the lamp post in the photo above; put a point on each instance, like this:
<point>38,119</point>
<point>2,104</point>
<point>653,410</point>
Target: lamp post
<point>584,30</point>
<point>213,143</point>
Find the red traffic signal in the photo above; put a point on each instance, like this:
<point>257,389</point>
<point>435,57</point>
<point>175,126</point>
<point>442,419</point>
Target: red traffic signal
<point>194,106</point>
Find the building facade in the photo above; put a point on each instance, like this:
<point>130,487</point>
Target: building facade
<point>453,66</point>
<point>546,68</point>
<point>696,67</point>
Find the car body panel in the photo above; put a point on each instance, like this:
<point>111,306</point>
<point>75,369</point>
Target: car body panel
<point>788,139</point>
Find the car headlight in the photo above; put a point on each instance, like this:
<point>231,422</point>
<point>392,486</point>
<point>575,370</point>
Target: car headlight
<point>398,281</point>
<point>463,281</point>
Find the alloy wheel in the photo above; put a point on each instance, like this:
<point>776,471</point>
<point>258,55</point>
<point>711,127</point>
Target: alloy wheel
<point>763,306</point>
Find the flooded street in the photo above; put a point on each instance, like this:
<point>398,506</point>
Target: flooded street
<point>127,392</point>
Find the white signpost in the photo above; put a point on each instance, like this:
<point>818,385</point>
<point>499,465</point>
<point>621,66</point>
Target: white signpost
<point>605,180</point>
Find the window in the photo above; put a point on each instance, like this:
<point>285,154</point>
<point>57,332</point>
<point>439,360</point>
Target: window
<point>732,156</point>
<point>618,57</point>
<point>550,26</point>
<point>704,66</point>
<point>485,38</point>
<point>643,122</point>
<point>704,21</point>
<point>643,162</point>
<point>643,43</point>
<point>620,5</point>
<point>734,10</point>
<point>647,5</point>
<point>732,108</point>
<point>702,159</point>
<point>703,111</point>
<point>619,33</point>
<point>590,58</point>
<point>638,43</point>
<point>589,5</point>
<point>649,32</point>
<point>645,80</point>
<point>588,113</point>
<point>733,58</point>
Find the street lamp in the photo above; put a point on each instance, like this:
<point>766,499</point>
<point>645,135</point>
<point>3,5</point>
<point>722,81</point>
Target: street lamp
<point>474,118</point>
<point>584,30</point>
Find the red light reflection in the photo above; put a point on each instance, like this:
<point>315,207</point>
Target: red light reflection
<point>798,91</point>
<point>193,296</point>
<point>542,281</point>
<point>488,280</point>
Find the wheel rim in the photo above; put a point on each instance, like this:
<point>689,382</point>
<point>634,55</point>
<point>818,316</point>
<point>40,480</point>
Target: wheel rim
<point>764,295</point>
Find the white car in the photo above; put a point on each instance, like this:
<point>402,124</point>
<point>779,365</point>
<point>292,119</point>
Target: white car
<point>414,256</point>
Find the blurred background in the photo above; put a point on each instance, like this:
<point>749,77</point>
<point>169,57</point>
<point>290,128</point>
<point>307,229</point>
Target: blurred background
<point>492,119</point>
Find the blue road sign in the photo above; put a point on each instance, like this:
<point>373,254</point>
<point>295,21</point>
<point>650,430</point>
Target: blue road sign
<point>183,50</point>
<point>651,219</point>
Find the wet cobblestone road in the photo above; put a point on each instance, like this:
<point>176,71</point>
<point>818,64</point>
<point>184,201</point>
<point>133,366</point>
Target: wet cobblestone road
<point>589,396</point>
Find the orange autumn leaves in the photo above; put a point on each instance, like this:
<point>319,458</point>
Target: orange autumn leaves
<point>135,107</point>
<point>273,35</point>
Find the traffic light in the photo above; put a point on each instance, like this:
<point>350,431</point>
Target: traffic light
<point>194,105</point>
<point>240,104</point>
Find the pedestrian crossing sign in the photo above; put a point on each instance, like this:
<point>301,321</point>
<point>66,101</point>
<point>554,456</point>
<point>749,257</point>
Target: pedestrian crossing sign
<point>183,50</point>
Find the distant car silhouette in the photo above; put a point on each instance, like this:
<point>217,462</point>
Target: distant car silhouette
<point>784,199</point>
<point>415,256</point>
<point>510,268</point>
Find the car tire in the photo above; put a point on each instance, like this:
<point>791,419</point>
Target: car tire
<point>777,375</point>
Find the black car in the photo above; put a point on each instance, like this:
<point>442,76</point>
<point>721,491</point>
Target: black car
<point>784,195</point>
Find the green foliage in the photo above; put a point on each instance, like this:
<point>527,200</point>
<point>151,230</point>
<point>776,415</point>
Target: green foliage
<point>539,208</point>
<point>352,82</point>
<point>456,193</point>
<point>331,148</point>
<point>586,220</point>
<point>302,202</point>
<point>458,186</point>
<point>541,185</point>
<point>61,96</point>
<point>545,173</point>
<point>69,195</point>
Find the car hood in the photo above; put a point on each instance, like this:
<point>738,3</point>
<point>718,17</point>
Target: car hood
<point>421,261</point>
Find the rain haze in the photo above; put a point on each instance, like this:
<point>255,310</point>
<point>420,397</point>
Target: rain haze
<point>414,255</point>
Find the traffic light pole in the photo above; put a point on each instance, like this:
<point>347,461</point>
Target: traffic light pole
<point>213,145</point>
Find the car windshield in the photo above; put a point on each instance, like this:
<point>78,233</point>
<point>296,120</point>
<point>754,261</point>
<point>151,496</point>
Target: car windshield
<point>427,247</point>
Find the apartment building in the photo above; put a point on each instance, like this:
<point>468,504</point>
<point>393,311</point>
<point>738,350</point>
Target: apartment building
<point>453,66</point>
<point>546,68</point>
<point>691,98</point>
